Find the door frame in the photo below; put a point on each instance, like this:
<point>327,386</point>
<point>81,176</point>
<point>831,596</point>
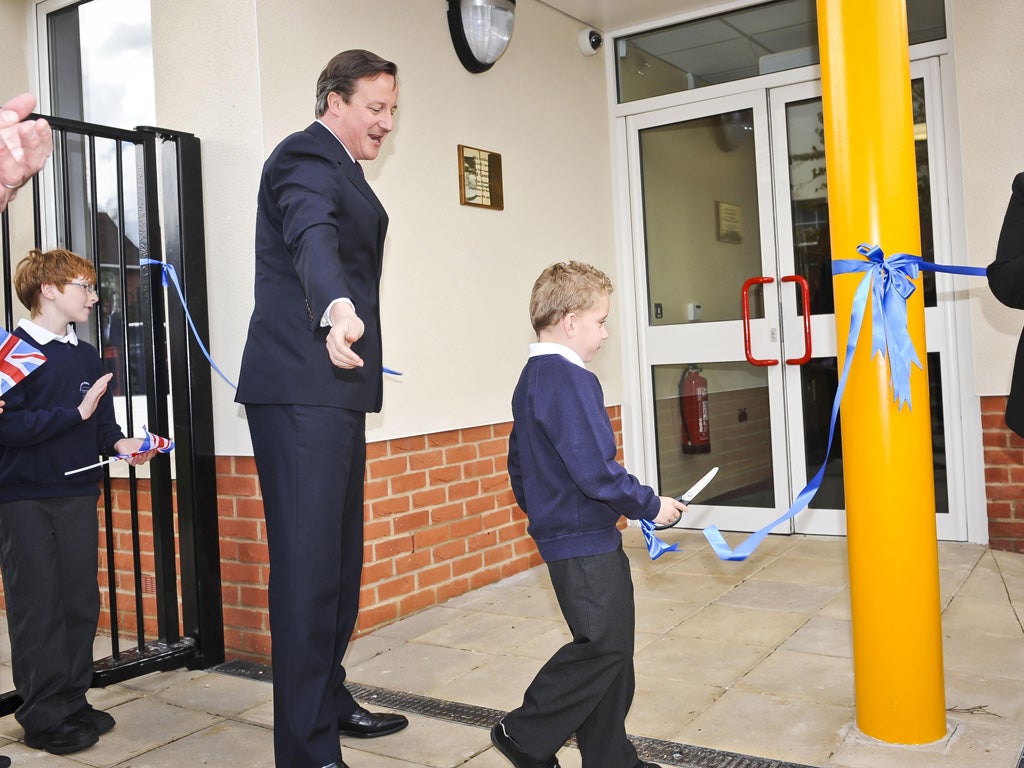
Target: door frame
<point>961,406</point>
<point>714,341</point>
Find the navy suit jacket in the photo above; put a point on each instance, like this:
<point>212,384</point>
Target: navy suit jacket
<point>319,236</point>
<point>1006,279</point>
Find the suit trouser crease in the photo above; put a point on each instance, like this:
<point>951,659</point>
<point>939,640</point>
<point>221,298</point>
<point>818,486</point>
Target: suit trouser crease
<point>49,559</point>
<point>587,687</point>
<point>311,462</point>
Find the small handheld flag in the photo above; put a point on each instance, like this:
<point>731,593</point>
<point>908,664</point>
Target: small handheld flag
<point>149,443</point>
<point>17,360</point>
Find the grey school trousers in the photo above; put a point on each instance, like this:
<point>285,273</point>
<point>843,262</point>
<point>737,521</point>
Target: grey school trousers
<point>586,688</point>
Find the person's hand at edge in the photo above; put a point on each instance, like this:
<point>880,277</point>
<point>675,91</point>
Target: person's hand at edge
<point>130,445</point>
<point>346,329</point>
<point>671,511</point>
<point>92,398</point>
<point>25,145</point>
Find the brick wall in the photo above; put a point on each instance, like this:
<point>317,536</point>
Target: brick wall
<point>1004,477</point>
<point>124,564</point>
<point>440,521</point>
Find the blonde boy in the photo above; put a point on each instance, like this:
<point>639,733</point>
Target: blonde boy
<point>565,477</point>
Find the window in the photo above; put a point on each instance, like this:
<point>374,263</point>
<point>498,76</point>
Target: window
<point>97,63</point>
<point>100,61</point>
<point>739,44</point>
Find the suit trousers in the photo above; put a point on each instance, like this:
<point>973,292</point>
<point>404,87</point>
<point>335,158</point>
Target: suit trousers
<point>49,557</point>
<point>587,687</point>
<point>311,462</point>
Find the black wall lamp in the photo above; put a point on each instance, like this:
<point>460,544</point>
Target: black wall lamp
<point>481,30</point>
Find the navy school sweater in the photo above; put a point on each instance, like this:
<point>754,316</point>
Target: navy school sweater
<point>42,434</point>
<point>562,463</point>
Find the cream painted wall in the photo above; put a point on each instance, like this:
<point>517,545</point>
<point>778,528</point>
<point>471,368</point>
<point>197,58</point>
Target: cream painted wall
<point>15,45</point>
<point>207,83</point>
<point>989,60</point>
<point>14,48</point>
<point>241,74</point>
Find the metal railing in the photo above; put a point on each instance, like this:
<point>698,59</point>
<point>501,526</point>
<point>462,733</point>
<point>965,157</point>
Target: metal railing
<point>119,198</point>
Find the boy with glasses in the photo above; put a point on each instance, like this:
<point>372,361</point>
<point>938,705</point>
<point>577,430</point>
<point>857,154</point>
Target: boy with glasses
<point>59,418</point>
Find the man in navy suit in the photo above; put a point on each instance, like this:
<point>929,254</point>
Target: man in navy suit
<point>311,371</point>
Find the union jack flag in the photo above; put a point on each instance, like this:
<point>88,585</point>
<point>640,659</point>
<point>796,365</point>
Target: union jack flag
<point>17,360</point>
<point>151,441</point>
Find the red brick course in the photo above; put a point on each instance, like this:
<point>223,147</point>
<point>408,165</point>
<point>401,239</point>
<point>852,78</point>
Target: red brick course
<point>441,521</point>
<point>1004,477</point>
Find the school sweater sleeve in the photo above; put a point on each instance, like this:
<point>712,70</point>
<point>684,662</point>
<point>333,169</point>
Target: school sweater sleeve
<point>515,470</point>
<point>574,419</point>
<point>21,427</point>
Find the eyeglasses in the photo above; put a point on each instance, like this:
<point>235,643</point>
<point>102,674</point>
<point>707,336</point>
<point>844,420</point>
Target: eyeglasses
<point>87,287</point>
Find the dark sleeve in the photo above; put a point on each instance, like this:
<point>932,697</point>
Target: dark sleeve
<point>21,427</point>
<point>1006,273</point>
<point>577,424</point>
<point>515,472</point>
<point>304,183</point>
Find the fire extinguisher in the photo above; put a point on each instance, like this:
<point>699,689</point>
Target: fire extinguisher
<point>693,405</point>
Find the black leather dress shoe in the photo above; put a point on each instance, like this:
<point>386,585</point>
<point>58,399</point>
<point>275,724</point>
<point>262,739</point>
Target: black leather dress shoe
<point>97,719</point>
<point>370,725</point>
<point>64,739</point>
<point>510,748</point>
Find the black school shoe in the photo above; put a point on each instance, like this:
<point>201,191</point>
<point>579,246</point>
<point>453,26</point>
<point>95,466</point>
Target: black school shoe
<point>510,748</point>
<point>64,739</point>
<point>99,721</point>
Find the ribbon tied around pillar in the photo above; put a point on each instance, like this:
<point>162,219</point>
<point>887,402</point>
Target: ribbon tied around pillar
<point>889,281</point>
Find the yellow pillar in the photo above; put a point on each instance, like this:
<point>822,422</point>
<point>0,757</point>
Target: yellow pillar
<point>887,453</point>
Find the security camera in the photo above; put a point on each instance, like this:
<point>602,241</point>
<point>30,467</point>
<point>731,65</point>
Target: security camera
<point>590,41</point>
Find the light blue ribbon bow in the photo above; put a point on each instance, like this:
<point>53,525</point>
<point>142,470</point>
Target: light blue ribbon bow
<point>168,271</point>
<point>888,280</point>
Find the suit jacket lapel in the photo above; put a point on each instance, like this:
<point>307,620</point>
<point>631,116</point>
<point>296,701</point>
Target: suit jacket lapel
<point>354,174</point>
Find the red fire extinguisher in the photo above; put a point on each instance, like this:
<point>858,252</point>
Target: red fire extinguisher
<point>693,405</point>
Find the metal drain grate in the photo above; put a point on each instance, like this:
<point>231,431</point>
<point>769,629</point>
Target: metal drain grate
<point>668,753</point>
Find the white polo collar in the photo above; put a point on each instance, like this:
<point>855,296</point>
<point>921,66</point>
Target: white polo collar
<point>43,336</point>
<point>539,348</point>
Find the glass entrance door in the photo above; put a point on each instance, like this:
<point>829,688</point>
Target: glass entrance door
<point>734,305</point>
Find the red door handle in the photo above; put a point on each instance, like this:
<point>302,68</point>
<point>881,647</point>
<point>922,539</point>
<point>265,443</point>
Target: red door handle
<point>745,293</point>
<point>805,293</point>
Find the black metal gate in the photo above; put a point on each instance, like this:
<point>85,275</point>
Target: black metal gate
<point>121,198</point>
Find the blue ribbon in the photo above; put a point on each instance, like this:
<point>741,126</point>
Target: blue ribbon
<point>168,271</point>
<point>888,282</point>
<point>655,546</point>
